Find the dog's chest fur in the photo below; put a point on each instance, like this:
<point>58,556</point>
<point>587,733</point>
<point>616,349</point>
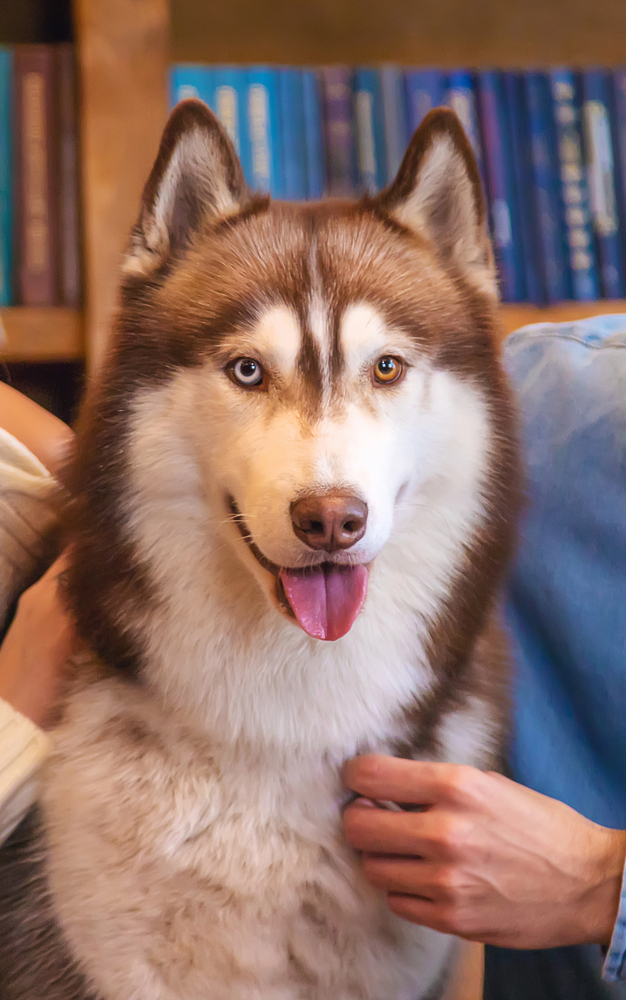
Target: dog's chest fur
<point>223,870</point>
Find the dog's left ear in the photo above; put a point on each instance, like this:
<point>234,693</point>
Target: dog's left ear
<point>438,193</point>
<point>197,178</point>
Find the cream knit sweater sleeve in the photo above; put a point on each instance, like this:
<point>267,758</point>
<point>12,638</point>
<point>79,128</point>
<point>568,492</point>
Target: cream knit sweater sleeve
<point>26,514</point>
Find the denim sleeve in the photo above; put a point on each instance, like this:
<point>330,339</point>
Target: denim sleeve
<point>615,962</point>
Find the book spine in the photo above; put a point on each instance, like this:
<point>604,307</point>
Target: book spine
<point>263,116</point>
<point>36,181</point>
<point>460,95</point>
<point>229,104</point>
<point>69,228</point>
<point>601,176</point>
<point>425,91</point>
<point>338,105</point>
<point>500,186</point>
<point>191,80</point>
<point>545,186</point>
<point>370,131</point>
<point>314,134</point>
<point>619,137</point>
<point>293,133</point>
<point>395,118</point>
<point>525,206</point>
<point>574,193</point>
<point>6,178</point>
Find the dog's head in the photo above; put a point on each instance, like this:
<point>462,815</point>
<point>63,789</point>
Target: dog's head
<point>330,366</point>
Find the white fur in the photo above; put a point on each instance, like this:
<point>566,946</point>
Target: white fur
<point>219,831</point>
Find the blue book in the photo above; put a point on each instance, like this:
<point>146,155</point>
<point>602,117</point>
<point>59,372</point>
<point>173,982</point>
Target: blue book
<point>293,134</point>
<point>525,205</point>
<point>314,134</point>
<point>370,130</point>
<point>395,118</point>
<point>574,192</point>
<point>498,162</point>
<point>601,176</point>
<point>190,80</point>
<point>619,142</point>
<point>461,97</point>
<point>228,101</point>
<point>425,90</point>
<point>263,115</point>
<point>6,178</point>
<point>339,130</point>
<point>546,187</point>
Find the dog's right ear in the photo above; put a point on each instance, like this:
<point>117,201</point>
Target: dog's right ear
<point>197,178</point>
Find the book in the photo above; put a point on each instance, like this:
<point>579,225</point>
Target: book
<point>370,131</point>
<point>425,90</point>
<point>601,177</point>
<point>229,102</point>
<point>460,95</point>
<point>313,134</point>
<point>498,166</point>
<point>338,118</point>
<point>574,193</point>
<point>6,175</point>
<point>619,143</point>
<point>545,187</point>
<point>394,117</point>
<point>36,175</point>
<point>264,131</point>
<point>524,206</point>
<point>191,80</point>
<point>293,133</point>
<point>68,175</point>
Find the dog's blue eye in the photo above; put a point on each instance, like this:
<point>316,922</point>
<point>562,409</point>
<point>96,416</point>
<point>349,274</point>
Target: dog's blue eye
<point>247,372</point>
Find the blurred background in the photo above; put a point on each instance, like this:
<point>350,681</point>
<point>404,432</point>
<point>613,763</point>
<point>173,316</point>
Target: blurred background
<point>85,89</point>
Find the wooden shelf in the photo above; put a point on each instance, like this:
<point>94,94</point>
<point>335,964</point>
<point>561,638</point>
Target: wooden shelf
<point>47,333</point>
<point>514,316</point>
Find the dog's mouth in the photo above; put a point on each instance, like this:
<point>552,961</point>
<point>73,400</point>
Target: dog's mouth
<point>324,599</point>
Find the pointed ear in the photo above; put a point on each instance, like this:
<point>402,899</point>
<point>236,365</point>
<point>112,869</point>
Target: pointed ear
<point>438,194</point>
<point>197,178</point>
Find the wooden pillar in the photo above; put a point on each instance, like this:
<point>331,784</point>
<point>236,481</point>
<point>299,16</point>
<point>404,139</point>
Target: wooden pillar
<point>123,53</point>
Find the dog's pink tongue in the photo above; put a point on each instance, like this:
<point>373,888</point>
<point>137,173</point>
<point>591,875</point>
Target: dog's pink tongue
<point>326,599</point>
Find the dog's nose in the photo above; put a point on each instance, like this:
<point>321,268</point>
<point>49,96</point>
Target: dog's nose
<point>332,521</point>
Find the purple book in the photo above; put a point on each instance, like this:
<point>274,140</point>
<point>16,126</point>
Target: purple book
<point>339,131</point>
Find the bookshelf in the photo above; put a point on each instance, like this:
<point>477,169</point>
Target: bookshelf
<point>124,50</point>
<point>48,333</point>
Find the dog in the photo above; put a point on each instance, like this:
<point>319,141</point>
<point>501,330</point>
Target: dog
<point>292,504</point>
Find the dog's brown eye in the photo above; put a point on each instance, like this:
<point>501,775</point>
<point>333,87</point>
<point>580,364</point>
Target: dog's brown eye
<point>246,372</point>
<point>387,370</point>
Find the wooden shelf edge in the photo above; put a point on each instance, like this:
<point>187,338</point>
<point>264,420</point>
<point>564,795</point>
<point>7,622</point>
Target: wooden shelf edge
<point>515,316</point>
<point>56,333</point>
<point>44,333</point>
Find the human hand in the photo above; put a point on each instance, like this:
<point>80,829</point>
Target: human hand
<point>35,654</point>
<point>488,859</point>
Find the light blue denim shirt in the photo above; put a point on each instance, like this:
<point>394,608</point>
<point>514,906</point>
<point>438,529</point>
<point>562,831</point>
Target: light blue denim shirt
<point>567,616</point>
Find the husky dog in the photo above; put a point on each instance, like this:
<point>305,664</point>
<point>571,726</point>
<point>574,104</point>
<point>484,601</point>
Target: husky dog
<point>292,504</point>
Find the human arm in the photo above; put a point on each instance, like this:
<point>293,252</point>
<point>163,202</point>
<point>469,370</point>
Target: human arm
<point>488,860</point>
<point>47,437</point>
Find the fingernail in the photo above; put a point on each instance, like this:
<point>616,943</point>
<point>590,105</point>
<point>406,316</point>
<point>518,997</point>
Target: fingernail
<point>363,803</point>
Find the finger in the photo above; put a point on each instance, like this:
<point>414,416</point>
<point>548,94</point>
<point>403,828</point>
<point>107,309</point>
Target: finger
<point>429,880</point>
<point>378,831</point>
<point>410,781</point>
<point>424,912</point>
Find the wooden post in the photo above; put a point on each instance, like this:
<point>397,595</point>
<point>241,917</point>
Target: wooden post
<point>123,52</point>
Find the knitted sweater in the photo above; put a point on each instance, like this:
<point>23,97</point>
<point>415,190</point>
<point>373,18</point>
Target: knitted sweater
<point>26,516</point>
